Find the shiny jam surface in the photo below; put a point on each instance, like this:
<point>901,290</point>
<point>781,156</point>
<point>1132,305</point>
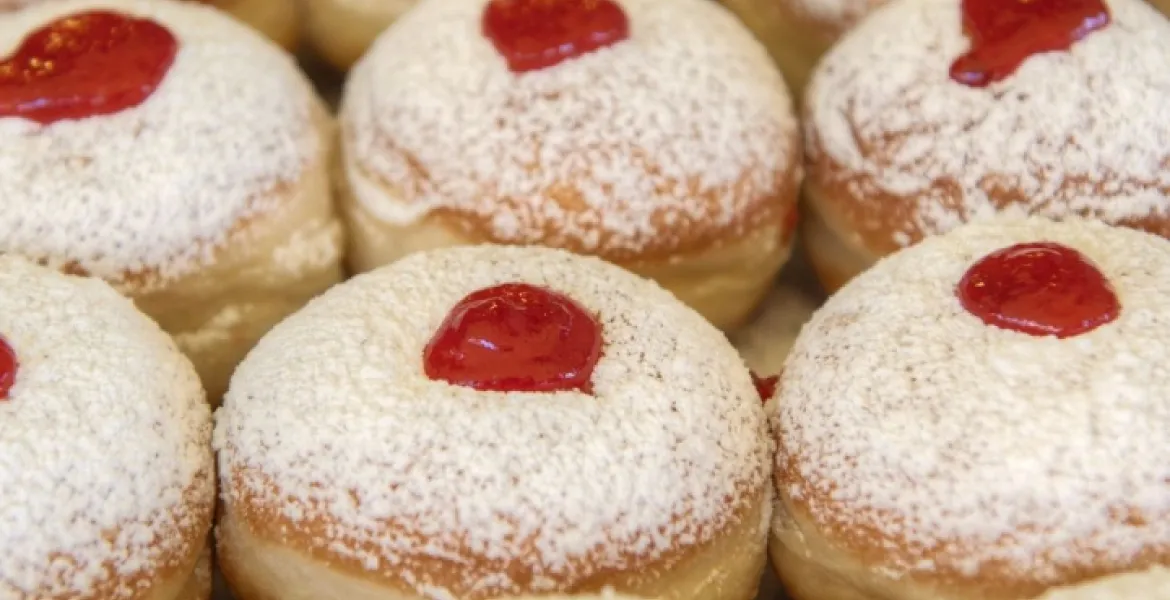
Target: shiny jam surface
<point>8,365</point>
<point>83,65</point>
<point>766,386</point>
<point>1005,33</point>
<point>1041,289</point>
<point>536,34</point>
<point>516,337</point>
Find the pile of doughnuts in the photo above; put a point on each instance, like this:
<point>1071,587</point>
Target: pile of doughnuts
<point>465,336</point>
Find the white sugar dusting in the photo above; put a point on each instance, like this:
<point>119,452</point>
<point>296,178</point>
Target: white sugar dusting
<point>975,445</point>
<point>160,186</point>
<point>334,407</point>
<point>104,431</point>
<point>687,121</point>
<point>1077,132</point>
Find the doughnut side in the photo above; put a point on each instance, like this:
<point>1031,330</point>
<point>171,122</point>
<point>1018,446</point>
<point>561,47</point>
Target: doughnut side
<point>266,556</point>
<point>816,566</point>
<point>723,274</point>
<point>272,264</point>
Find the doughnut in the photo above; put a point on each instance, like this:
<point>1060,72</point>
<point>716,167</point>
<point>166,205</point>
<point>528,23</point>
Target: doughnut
<point>672,151</point>
<point>485,422</point>
<point>276,19</point>
<point>799,32</point>
<point>340,31</point>
<point>981,415</point>
<point>195,182</point>
<point>1153,584</point>
<point>107,482</point>
<point>911,131</point>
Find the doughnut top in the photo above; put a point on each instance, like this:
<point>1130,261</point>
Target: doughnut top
<point>1153,584</point>
<point>150,193</point>
<point>665,142</point>
<point>105,467</point>
<point>937,445</point>
<point>331,430</point>
<point>1080,132</point>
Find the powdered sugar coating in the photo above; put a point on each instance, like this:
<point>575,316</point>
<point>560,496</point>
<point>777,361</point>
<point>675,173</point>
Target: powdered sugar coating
<point>158,187</point>
<point>106,431</point>
<point>1077,132</point>
<point>333,406</point>
<point>686,125</point>
<point>947,445</point>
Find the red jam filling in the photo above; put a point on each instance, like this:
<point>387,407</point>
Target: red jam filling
<point>8,367</point>
<point>1039,289</point>
<point>766,386</point>
<point>1005,33</point>
<point>516,337</point>
<point>536,34</point>
<point>84,65</point>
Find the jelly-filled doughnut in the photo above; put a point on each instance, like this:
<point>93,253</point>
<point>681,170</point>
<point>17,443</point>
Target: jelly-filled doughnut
<point>173,152</point>
<point>799,32</point>
<point>982,415</point>
<point>276,19</point>
<point>933,113</point>
<point>656,135</point>
<point>493,422</point>
<point>107,481</point>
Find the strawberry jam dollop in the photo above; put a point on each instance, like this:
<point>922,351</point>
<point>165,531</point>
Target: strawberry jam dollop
<point>1040,289</point>
<point>536,34</point>
<point>8,365</point>
<point>84,65</point>
<point>1005,33</point>
<point>516,337</point>
<point>766,386</point>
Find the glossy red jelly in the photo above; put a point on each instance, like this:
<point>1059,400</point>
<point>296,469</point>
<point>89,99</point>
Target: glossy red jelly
<point>1005,33</point>
<point>84,65</point>
<point>8,365</point>
<point>766,386</point>
<point>516,337</point>
<point>536,34</point>
<point>1040,289</point>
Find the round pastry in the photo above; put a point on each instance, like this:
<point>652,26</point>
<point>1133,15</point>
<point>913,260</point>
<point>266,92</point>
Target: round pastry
<point>194,181</point>
<point>106,474</point>
<point>657,136</point>
<point>799,32</point>
<point>982,415</point>
<point>912,130</point>
<point>492,422</point>
<point>341,31</point>
<point>276,19</point>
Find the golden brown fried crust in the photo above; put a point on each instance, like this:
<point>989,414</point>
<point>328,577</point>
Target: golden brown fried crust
<point>678,234</point>
<point>186,546</point>
<point>317,537</point>
<point>843,547</point>
<point>855,205</point>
